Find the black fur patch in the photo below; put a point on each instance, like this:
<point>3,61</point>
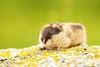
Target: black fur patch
<point>47,33</point>
<point>77,27</point>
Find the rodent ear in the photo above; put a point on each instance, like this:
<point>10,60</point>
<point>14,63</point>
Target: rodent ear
<point>59,27</point>
<point>56,26</point>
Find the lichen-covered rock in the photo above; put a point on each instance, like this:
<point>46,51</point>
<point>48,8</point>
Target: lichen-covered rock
<point>33,57</point>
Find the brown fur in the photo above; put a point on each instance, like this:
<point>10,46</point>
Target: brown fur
<point>62,35</point>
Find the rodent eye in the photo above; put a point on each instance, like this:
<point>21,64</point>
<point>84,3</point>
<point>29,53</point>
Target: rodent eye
<point>57,30</point>
<point>52,32</point>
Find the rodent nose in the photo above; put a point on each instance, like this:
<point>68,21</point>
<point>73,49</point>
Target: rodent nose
<point>43,40</point>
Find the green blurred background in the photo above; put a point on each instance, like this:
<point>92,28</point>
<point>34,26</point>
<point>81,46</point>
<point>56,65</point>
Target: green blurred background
<point>21,20</point>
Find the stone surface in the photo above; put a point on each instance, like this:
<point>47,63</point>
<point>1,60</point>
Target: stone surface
<point>88,56</point>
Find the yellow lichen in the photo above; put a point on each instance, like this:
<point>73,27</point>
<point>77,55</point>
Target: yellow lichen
<point>33,57</point>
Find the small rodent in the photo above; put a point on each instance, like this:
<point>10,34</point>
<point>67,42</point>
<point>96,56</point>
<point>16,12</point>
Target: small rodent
<point>62,35</point>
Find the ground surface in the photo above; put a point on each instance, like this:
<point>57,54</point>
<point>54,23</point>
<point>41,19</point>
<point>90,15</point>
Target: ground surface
<point>33,57</point>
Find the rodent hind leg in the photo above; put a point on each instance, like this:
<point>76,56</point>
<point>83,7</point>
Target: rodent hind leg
<point>55,48</point>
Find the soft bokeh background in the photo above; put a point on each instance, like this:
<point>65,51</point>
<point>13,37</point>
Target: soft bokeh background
<point>21,20</point>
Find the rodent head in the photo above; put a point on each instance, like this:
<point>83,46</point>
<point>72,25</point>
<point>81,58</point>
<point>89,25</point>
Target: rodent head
<point>50,30</point>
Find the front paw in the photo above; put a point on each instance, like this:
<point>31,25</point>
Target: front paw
<point>42,48</point>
